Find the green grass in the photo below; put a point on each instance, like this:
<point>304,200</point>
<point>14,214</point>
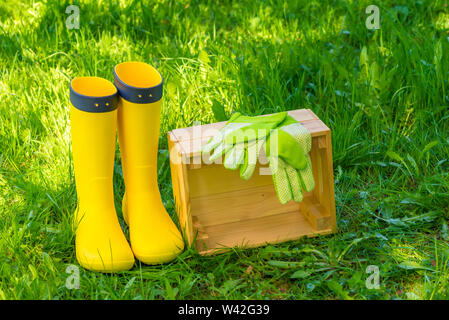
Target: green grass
<point>383,93</point>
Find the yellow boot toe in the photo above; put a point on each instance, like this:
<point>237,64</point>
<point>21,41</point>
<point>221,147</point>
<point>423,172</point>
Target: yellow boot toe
<point>105,254</point>
<point>154,237</point>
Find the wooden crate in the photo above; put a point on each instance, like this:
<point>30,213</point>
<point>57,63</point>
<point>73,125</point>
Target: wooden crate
<point>218,210</point>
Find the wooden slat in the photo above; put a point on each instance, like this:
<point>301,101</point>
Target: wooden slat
<point>317,164</point>
<point>215,179</point>
<point>328,200</point>
<point>181,192</point>
<point>239,205</point>
<point>256,232</point>
<point>191,148</point>
<point>191,139</point>
<point>182,134</point>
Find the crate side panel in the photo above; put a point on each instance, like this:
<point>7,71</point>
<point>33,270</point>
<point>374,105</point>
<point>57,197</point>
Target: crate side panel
<point>239,205</point>
<point>215,179</point>
<point>256,232</point>
<point>328,163</point>
<point>180,190</point>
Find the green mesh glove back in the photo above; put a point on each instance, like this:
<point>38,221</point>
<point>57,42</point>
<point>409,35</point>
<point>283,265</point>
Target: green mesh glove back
<point>287,149</point>
<point>241,140</point>
<point>287,145</point>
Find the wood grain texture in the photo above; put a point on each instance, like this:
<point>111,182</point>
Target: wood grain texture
<point>191,139</point>
<point>257,232</point>
<point>181,192</point>
<point>239,205</point>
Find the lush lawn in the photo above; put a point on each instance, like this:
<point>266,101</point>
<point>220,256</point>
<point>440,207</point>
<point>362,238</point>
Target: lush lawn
<point>384,94</point>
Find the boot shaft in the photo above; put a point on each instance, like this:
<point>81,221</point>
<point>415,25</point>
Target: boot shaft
<point>139,108</point>
<point>100,242</point>
<point>93,120</point>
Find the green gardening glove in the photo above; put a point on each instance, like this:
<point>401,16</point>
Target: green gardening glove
<point>287,150</point>
<point>286,143</point>
<point>241,140</point>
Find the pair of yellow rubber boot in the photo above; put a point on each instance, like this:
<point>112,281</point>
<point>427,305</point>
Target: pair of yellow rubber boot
<point>132,107</point>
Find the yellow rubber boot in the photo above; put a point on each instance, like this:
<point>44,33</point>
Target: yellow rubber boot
<point>100,243</point>
<point>154,237</point>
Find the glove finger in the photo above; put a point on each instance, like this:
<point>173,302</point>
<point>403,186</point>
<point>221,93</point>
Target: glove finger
<point>220,151</point>
<point>295,183</point>
<point>306,174</point>
<point>280,180</point>
<point>226,133</point>
<point>234,157</point>
<point>235,133</point>
<point>246,169</point>
<point>251,155</point>
<point>212,144</point>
